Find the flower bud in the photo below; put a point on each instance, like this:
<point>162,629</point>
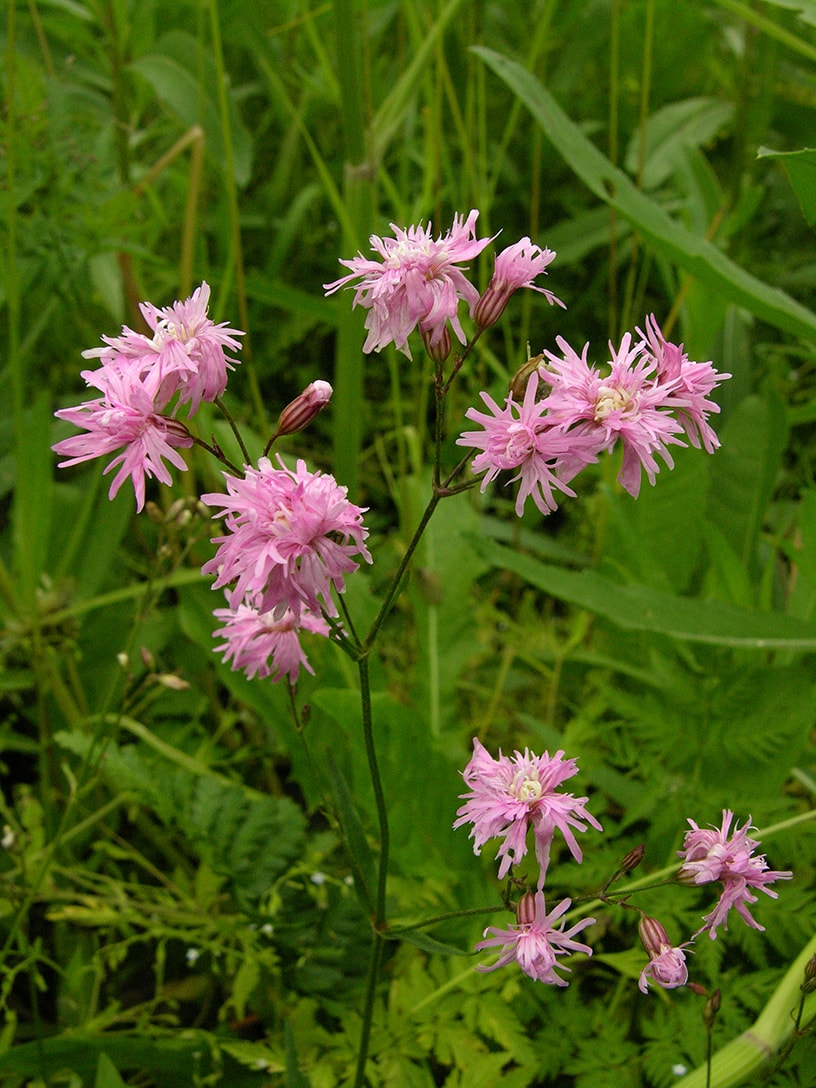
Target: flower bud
<point>653,935</point>
<point>520,380</point>
<point>439,349</point>
<point>300,412</point>
<point>525,909</point>
<point>712,1007</point>
<point>633,859</point>
<point>809,984</point>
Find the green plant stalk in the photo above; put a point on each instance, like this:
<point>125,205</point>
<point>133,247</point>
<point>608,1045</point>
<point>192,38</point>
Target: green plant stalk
<point>745,1056</point>
<point>382,873</point>
<point>358,196</point>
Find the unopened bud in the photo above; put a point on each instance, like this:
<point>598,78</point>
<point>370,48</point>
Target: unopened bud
<point>712,1007</point>
<point>518,386</point>
<point>525,909</point>
<point>809,985</point>
<point>633,859</point>
<point>653,935</point>
<point>440,349</point>
<point>173,682</point>
<point>148,660</point>
<point>300,412</point>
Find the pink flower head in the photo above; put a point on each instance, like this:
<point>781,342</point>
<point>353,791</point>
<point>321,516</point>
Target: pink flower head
<point>689,385</point>
<point>417,283</point>
<point>187,349</point>
<point>626,405</point>
<point>125,416</point>
<point>291,535</point>
<point>534,942</point>
<point>262,645</point>
<point>520,436</point>
<point>510,795</point>
<point>716,855</point>
<point>517,266</point>
<point>667,964</point>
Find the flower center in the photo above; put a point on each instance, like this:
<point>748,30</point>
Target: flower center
<point>527,789</point>
<point>611,399</point>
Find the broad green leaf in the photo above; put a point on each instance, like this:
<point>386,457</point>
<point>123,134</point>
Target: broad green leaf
<point>173,73</point>
<point>800,166</point>
<point>693,253</point>
<point>673,129</point>
<point>639,608</point>
<point>745,470</point>
<point>107,1075</point>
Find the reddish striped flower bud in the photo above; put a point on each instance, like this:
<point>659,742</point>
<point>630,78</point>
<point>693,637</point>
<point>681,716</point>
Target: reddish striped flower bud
<point>300,412</point>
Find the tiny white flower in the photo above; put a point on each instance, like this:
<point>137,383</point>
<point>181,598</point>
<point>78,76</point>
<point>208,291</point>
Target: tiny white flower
<point>318,878</point>
<point>679,1069</point>
<point>191,955</point>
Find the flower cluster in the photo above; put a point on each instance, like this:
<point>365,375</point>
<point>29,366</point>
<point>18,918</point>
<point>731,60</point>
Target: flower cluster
<point>291,535</point>
<point>714,855</point>
<point>184,360</point>
<point>647,396</point>
<point>418,283</point>
<point>507,798</point>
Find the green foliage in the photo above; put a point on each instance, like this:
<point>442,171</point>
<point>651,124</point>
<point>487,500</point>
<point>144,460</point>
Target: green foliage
<point>189,870</point>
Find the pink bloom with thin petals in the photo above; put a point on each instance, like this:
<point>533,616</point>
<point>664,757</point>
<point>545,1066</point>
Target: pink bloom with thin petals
<point>717,855</point>
<point>516,266</point>
<point>261,645</point>
<point>508,796</point>
<point>417,283</point>
<point>667,963</point>
<point>125,416</point>
<point>690,385</point>
<point>188,350</point>
<point>626,405</point>
<point>291,536</point>
<point>521,436</point>
<point>535,943</point>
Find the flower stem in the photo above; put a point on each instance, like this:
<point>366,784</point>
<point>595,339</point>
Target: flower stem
<point>382,875</point>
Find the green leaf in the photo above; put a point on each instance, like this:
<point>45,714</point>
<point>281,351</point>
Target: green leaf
<point>428,944</point>
<point>362,860</point>
<point>640,608</point>
<point>800,166</point>
<point>745,471</point>
<point>673,129</point>
<point>107,1075</point>
<point>667,237</point>
<point>294,1077</point>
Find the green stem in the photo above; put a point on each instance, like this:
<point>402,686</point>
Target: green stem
<point>382,875</point>
<point>396,582</point>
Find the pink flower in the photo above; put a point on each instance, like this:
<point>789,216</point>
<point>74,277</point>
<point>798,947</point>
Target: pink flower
<point>534,942</point>
<point>510,795</point>
<point>261,645</point>
<point>711,855</point>
<point>521,436</point>
<point>417,283</point>
<point>291,535</point>
<point>187,349</point>
<point>667,964</point>
<point>689,385</point>
<point>626,405</point>
<point>517,266</point>
<point>125,416</point>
